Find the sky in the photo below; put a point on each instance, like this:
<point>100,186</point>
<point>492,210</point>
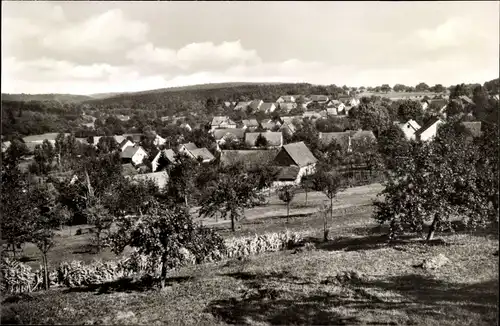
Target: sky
<point>83,47</point>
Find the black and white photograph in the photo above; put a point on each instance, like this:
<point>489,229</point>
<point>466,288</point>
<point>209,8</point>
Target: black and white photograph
<point>250,163</point>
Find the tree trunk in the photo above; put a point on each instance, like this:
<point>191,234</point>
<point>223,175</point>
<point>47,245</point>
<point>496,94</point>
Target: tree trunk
<point>325,227</point>
<point>232,223</point>
<point>331,208</point>
<point>287,211</point>
<point>306,195</point>
<point>45,271</point>
<point>98,237</point>
<point>186,199</point>
<point>164,269</point>
<point>432,228</point>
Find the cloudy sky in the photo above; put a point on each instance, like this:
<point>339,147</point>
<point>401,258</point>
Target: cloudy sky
<point>97,47</point>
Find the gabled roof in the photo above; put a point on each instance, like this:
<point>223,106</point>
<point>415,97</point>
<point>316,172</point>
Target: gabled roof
<point>341,138</point>
<point>250,122</point>
<point>291,118</point>
<point>249,158</point>
<point>318,98</point>
<point>438,102</point>
<point>288,98</point>
<point>266,106</point>
<point>288,173</point>
<point>242,105</point>
<point>189,146</point>
<point>239,133</point>
<point>169,154</point>
<point>268,124</point>
<point>300,154</point>
<point>124,142</point>
<point>130,151</point>
<point>218,120</point>
<point>135,137</point>
<point>288,125</point>
<point>203,153</point>
<point>465,98</point>
<point>334,103</point>
<point>473,127</point>
<point>311,114</point>
<point>426,126</point>
<point>255,104</point>
<point>412,123</point>
<point>273,138</point>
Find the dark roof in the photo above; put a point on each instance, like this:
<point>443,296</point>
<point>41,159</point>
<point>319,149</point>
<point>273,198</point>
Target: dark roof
<point>318,98</point>
<point>300,154</point>
<point>427,125</point>
<point>273,138</point>
<point>248,157</point>
<point>288,173</point>
<point>124,142</point>
<point>130,151</point>
<point>473,127</point>
<point>239,133</point>
<point>218,120</point>
<point>203,153</point>
<point>341,138</point>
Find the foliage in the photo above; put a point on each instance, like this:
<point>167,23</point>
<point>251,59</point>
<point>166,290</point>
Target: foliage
<point>330,183</point>
<point>422,87</point>
<point>268,242</point>
<point>181,183</point>
<point>440,180</point>
<point>261,141</point>
<point>409,109</point>
<point>97,215</point>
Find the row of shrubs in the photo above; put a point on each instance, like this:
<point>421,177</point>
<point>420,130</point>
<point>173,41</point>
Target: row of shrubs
<point>18,277</point>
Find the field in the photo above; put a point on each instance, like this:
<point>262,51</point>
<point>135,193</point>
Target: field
<point>295,286</point>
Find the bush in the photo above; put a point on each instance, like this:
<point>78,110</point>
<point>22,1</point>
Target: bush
<point>257,244</point>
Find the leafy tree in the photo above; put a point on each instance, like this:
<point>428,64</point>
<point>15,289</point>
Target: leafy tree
<point>182,176</point>
<point>454,108</point>
<point>409,109</point>
<point>107,145</point>
<point>438,88</point>
<point>286,194</point>
<point>385,88</point>
<point>393,146</point>
<point>422,87</point>
<point>100,217</point>
<point>261,141</point>
<point>441,179</point>
<point>44,156</point>
<point>161,233</point>
<point>480,99</point>
<point>371,116</point>
<point>399,88</point>
<point>330,183</point>
<point>14,154</point>
<point>235,191</point>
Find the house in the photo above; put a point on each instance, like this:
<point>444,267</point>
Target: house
<point>5,146</point>
<point>349,100</point>
<point>291,119</point>
<point>133,154</point>
<point>321,99</point>
<point>250,124</point>
<point>233,134</point>
<point>202,154</point>
<point>159,141</point>
<point>296,160</point>
<point>337,105</point>
<point>122,117</point>
<point>269,124</point>
<point>184,148</point>
<point>288,128</point>
<point>268,107</point>
<point>124,144</point>
<point>311,115</point>
<point>136,138</point>
<point>165,119</point>
<point>242,106</point>
<point>255,105</point>
<point>169,155</point>
<point>155,162</point>
<point>409,128</point>
<point>343,139</point>
<point>429,130</point>
<point>186,126</point>
<point>439,104</point>
<point>159,178</point>
<point>222,122</point>
<point>287,106</point>
<point>466,100</point>
<point>248,158</point>
<point>473,128</point>
<point>274,139</point>
<point>286,99</point>
<point>227,104</point>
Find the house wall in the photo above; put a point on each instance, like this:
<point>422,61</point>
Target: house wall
<point>271,109</point>
<point>430,132</point>
<point>139,157</point>
<point>283,159</point>
<point>408,131</point>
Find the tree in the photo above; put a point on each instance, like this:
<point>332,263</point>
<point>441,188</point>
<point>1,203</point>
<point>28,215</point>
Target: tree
<point>440,179</point>
<point>438,88</point>
<point>371,116</point>
<point>261,141</point>
<point>385,88</point>
<point>182,175</point>
<point>161,233</point>
<point>393,146</point>
<point>44,156</point>
<point>98,216</point>
<point>399,88</point>
<point>330,183</point>
<point>422,87</point>
<point>235,191</point>
<point>286,194</point>
<point>409,109</point>
<point>107,145</point>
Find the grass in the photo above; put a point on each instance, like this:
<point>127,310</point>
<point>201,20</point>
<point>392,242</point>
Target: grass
<point>287,288</point>
<point>293,286</point>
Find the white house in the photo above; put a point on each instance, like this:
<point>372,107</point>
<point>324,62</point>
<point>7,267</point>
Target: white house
<point>231,134</point>
<point>125,143</point>
<point>337,105</point>
<point>134,155</point>
<point>409,128</point>
<point>428,131</point>
<point>159,141</point>
<point>286,99</point>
